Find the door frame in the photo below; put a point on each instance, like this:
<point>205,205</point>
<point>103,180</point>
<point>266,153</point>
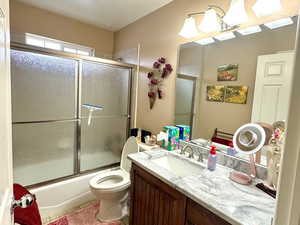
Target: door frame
<point>193,114</point>
<point>6,174</point>
<point>288,205</point>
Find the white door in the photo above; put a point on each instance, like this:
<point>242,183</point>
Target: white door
<point>6,192</point>
<point>272,87</point>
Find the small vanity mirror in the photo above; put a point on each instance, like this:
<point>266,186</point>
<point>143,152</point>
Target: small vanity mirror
<point>248,139</point>
<point>224,83</point>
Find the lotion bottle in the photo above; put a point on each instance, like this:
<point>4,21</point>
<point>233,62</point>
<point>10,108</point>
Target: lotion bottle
<point>212,159</point>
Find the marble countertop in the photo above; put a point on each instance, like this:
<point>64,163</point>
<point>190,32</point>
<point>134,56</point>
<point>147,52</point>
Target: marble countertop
<point>235,203</point>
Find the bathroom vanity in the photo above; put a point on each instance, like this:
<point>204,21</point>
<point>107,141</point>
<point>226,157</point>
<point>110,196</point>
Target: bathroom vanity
<point>170,189</point>
<point>155,202</point>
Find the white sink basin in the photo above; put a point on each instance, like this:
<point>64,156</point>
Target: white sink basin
<point>180,167</point>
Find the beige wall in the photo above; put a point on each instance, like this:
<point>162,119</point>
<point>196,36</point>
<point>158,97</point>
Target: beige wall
<point>158,35</point>
<point>244,52</point>
<point>190,59</point>
<point>25,18</point>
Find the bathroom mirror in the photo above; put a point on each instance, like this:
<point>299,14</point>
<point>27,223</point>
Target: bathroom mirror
<point>243,79</point>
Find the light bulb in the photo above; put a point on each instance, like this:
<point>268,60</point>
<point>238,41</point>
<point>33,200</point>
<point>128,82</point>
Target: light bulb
<point>210,22</point>
<point>236,14</point>
<point>189,28</point>
<point>266,7</point>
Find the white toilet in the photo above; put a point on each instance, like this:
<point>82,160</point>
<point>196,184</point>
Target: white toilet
<point>112,187</point>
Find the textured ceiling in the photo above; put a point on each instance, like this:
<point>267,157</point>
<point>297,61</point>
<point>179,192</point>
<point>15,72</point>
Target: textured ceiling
<point>109,14</point>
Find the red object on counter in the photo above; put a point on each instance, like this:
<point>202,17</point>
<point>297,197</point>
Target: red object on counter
<point>29,215</point>
<point>213,150</point>
<point>221,141</point>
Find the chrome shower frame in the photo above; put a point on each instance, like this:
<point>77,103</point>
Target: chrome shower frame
<point>77,119</point>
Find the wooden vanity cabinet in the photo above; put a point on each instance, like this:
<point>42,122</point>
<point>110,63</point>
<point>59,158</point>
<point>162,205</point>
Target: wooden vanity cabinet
<point>198,215</point>
<point>153,202</point>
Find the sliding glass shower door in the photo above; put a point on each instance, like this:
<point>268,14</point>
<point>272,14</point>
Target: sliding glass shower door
<point>103,139</point>
<point>51,135</point>
<point>43,115</point>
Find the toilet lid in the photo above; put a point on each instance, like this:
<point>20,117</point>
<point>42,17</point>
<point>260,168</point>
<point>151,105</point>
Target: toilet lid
<point>110,181</point>
<point>131,146</point>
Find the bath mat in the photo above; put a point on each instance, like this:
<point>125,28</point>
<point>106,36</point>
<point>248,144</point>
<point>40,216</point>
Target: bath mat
<point>84,216</point>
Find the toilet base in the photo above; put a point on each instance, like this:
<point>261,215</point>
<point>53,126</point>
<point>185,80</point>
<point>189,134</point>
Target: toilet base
<point>110,211</point>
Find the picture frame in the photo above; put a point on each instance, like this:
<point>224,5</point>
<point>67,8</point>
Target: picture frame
<point>215,93</point>
<point>228,72</point>
<point>236,94</point>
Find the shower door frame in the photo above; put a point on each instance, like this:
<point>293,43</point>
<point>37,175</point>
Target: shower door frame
<point>78,77</point>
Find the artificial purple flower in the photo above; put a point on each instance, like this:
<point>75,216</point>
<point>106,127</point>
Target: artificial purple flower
<point>162,60</point>
<point>164,73</point>
<point>159,93</point>
<point>169,68</point>
<point>151,94</point>
<point>156,65</point>
<point>150,74</point>
<point>154,81</point>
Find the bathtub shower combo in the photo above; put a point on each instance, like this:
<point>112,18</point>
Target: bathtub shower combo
<point>71,116</point>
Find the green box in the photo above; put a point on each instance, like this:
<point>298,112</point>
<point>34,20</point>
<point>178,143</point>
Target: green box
<point>173,138</point>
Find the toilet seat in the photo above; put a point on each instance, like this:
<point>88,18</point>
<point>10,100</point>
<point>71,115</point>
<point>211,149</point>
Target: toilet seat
<point>111,188</point>
<point>115,180</point>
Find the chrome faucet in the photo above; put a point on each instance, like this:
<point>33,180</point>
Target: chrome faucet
<point>200,156</point>
<point>185,148</point>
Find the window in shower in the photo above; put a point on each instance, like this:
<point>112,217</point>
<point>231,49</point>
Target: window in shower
<point>44,42</point>
<point>51,136</point>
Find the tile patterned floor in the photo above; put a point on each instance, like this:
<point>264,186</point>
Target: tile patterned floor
<point>84,216</point>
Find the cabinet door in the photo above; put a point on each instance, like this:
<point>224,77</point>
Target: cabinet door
<point>198,215</point>
<point>154,202</point>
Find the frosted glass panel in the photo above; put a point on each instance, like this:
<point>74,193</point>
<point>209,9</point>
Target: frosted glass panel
<point>184,101</point>
<point>102,142</point>
<point>105,86</point>
<point>43,152</point>
<point>43,87</point>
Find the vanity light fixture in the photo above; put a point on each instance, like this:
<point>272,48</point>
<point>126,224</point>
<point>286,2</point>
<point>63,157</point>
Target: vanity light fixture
<point>213,21</point>
<point>210,22</point>
<point>279,23</point>
<point>189,28</point>
<point>205,41</point>
<point>250,30</point>
<point>225,36</point>
<point>236,14</point>
<point>266,7</point>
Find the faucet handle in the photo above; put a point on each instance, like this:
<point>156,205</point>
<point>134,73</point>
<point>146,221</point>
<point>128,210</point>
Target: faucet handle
<point>182,150</point>
<point>200,157</point>
<point>191,155</point>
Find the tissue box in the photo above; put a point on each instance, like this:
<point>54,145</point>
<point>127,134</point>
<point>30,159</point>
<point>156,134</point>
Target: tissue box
<point>173,138</point>
<point>184,132</point>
